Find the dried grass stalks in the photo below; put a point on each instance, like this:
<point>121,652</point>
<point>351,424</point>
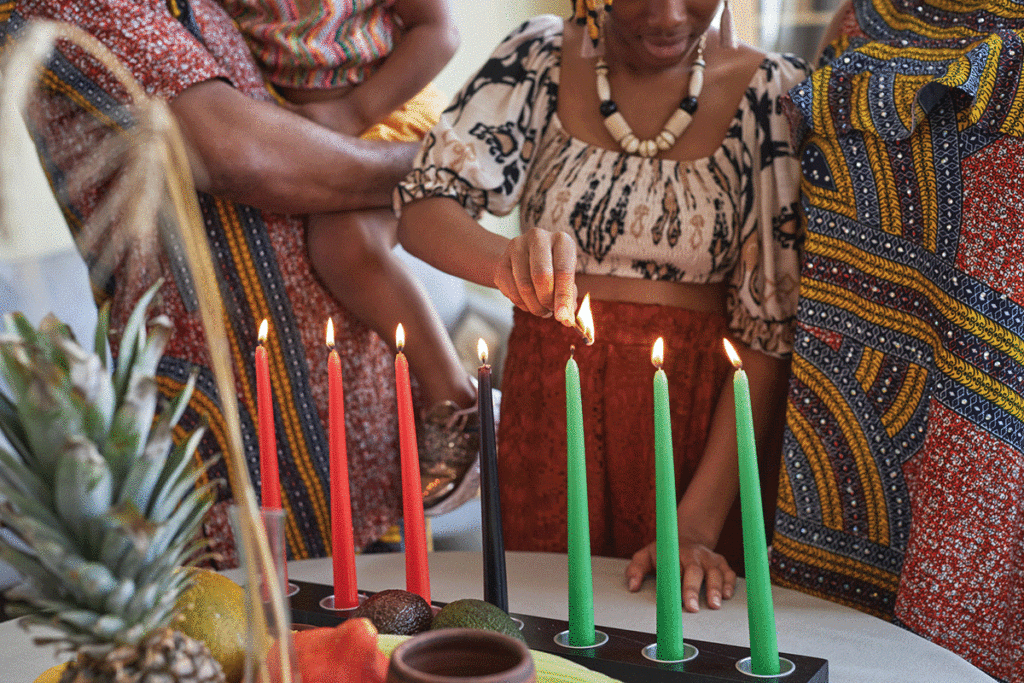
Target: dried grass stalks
<point>128,193</point>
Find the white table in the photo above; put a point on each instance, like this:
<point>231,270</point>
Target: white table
<point>859,648</point>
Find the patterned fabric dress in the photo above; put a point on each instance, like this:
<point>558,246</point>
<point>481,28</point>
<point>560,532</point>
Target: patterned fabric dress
<point>322,44</point>
<point>260,256</point>
<point>902,492</point>
<point>728,219</point>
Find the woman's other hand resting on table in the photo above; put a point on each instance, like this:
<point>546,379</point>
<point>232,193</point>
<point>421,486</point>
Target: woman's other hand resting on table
<point>700,565</point>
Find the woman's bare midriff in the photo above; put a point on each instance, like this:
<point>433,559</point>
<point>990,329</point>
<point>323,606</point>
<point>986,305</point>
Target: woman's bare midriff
<point>695,297</point>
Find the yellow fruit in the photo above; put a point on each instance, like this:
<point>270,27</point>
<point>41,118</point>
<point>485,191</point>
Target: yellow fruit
<point>52,675</point>
<point>213,611</point>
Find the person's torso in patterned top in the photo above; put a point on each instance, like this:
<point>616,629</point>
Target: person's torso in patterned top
<point>657,219</point>
<point>730,217</point>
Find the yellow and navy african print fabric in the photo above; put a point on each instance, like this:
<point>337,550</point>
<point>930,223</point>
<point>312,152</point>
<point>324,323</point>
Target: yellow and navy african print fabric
<point>902,486</point>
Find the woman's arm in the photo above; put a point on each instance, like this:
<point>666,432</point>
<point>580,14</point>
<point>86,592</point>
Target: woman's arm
<point>261,154</point>
<point>535,270</point>
<point>706,502</point>
<point>439,231</point>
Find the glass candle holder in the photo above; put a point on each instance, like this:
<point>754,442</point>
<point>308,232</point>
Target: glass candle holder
<point>266,623</point>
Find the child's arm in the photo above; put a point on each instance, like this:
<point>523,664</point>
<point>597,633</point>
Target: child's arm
<point>429,40</point>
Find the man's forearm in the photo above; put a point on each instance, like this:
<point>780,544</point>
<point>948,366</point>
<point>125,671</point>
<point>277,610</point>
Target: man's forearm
<point>261,154</point>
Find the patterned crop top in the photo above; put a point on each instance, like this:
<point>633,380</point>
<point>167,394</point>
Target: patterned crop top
<point>730,217</point>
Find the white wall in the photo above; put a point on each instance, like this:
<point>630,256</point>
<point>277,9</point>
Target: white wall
<point>40,270</point>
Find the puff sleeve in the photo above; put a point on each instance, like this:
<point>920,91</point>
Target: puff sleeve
<point>763,288</point>
<point>480,151</point>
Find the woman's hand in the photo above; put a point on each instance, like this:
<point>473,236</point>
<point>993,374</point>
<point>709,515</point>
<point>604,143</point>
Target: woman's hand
<point>699,564</point>
<point>537,272</point>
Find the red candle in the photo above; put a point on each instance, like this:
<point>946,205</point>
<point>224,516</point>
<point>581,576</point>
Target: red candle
<point>270,482</point>
<point>417,573</point>
<point>344,558</point>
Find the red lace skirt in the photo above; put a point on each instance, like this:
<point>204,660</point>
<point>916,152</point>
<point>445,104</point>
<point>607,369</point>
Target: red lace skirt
<point>617,385</point>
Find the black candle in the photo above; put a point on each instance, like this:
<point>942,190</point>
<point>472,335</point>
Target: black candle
<point>495,581</point>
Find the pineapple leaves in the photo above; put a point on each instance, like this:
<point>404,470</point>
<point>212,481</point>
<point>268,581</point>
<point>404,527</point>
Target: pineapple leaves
<point>147,471</point>
<point>92,383</point>
<point>15,476</point>
<point>83,488</point>
<point>99,344</point>
<point>132,340</point>
<point>135,416</point>
<point>184,522</point>
<point>44,581</point>
<point>177,406</point>
<point>103,506</point>
<point>12,427</point>
<point>117,599</point>
<point>176,478</point>
<point>36,531</point>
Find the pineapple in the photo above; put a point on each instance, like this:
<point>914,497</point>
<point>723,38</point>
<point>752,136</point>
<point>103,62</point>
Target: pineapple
<point>105,506</point>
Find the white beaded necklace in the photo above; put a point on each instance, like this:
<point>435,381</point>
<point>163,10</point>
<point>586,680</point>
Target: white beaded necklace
<point>620,131</point>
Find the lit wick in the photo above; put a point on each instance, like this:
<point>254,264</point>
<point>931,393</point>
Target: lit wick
<point>734,357</point>
<point>585,321</point>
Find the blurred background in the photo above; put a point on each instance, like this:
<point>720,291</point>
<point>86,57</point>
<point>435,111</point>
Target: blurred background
<point>40,270</point>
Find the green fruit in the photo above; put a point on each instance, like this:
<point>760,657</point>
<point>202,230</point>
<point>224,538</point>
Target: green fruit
<point>471,613</point>
<point>397,612</point>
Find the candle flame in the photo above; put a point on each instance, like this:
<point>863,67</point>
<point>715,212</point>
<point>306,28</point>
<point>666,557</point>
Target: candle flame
<point>734,357</point>
<point>400,337</point>
<point>262,334</point>
<point>481,351</point>
<point>658,353</point>
<point>585,320</point>
<point>330,333</point>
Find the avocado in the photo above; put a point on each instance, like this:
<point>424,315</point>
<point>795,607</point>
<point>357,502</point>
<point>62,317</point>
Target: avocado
<point>472,613</point>
<point>396,612</point>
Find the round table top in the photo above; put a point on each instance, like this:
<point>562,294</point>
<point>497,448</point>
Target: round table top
<point>859,648</point>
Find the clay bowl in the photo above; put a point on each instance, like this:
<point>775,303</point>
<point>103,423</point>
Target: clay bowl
<point>461,655</point>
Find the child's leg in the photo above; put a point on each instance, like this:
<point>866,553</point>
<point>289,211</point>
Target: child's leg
<point>352,252</point>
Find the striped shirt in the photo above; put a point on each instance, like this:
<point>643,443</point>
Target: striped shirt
<point>316,43</point>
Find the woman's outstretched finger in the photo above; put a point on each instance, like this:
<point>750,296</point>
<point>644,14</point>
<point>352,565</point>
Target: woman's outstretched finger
<point>728,581</point>
<point>541,273</point>
<point>523,279</point>
<point>713,581</point>
<point>563,263</point>
<point>639,567</point>
<point>693,577</point>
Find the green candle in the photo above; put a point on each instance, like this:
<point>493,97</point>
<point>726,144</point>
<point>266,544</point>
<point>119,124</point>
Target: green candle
<point>581,581</point>
<point>670,609</point>
<point>764,648</point>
